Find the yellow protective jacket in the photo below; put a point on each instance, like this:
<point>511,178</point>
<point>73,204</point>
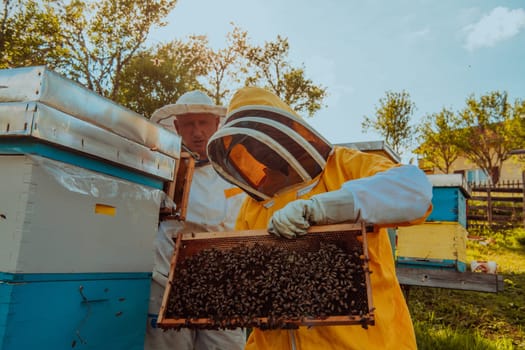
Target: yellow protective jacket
<point>393,326</point>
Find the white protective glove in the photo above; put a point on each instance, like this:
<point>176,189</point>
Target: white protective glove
<point>296,217</point>
<point>163,245</point>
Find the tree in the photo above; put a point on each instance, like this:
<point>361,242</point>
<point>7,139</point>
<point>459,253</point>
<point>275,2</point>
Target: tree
<point>160,76</point>
<point>193,64</point>
<point>180,66</point>
<point>30,34</point>
<point>392,120</point>
<point>270,68</point>
<point>88,41</point>
<point>436,137</point>
<point>226,67</point>
<point>101,45</point>
<point>519,114</point>
<point>103,36</point>
<point>489,128</point>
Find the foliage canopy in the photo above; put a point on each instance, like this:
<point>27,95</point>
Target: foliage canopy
<point>436,135</point>
<point>488,130</point>
<point>102,45</point>
<point>393,119</point>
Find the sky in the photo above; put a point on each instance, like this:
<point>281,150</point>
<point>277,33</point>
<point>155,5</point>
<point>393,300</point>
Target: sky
<point>440,52</point>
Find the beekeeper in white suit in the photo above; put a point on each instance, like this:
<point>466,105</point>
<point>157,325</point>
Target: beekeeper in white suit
<point>212,206</point>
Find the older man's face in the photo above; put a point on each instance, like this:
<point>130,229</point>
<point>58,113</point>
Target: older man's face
<point>195,131</point>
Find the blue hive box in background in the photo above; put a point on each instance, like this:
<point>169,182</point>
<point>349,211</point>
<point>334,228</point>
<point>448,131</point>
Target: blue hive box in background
<point>440,242</point>
<point>449,198</point>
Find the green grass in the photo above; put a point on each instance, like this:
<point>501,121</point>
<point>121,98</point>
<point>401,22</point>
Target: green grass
<point>453,319</point>
<point>434,337</point>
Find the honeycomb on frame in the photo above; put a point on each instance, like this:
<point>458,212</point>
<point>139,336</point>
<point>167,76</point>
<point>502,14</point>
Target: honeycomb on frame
<point>225,280</point>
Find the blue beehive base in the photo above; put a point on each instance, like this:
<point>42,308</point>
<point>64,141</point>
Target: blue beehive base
<point>433,264</point>
<point>73,311</point>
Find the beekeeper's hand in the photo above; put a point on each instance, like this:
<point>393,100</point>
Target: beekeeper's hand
<point>326,208</point>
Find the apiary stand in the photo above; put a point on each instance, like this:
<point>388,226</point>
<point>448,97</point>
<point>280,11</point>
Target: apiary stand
<point>449,279</point>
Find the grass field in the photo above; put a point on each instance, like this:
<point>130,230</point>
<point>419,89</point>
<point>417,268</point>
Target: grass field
<point>452,319</point>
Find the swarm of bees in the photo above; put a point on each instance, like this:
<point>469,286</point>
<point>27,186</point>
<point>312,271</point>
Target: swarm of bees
<point>269,287</point>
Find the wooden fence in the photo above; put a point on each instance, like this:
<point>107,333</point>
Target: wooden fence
<point>497,206</point>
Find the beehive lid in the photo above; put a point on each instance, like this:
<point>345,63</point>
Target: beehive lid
<point>450,180</point>
<point>50,88</point>
<point>43,106</point>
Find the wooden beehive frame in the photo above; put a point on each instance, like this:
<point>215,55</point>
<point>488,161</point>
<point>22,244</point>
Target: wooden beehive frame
<point>179,189</point>
<point>208,237</point>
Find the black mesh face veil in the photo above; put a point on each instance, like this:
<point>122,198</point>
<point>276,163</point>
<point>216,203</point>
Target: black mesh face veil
<point>265,152</point>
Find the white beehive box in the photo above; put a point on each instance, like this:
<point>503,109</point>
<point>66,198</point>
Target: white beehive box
<point>60,218</point>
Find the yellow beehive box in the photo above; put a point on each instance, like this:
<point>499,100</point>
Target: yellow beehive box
<point>439,244</point>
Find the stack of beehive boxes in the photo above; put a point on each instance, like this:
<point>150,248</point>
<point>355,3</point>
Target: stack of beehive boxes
<point>439,243</point>
<point>81,183</point>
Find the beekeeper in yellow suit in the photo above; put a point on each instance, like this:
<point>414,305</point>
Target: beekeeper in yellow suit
<point>295,179</point>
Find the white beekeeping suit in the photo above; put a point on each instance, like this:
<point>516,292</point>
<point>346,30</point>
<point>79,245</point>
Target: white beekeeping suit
<point>207,211</point>
<point>213,205</point>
